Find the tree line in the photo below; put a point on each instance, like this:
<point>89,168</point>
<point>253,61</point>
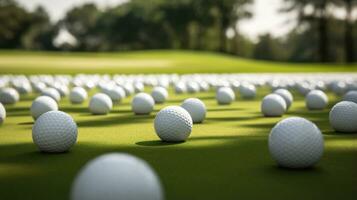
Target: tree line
<point>319,36</point>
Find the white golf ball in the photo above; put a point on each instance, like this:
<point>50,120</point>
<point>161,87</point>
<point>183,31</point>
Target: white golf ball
<point>225,95</point>
<point>23,88</point>
<point>180,88</point>
<point>159,94</point>
<point>116,176</point>
<point>42,104</point>
<point>316,100</point>
<point>196,108</point>
<point>287,96</point>
<point>343,117</point>
<point>54,132</point>
<point>2,113</point>
<point>193,87</point>
<point>173,124</point>
<point>53,93</point>
<point>116,93</point>
<point>247,91</point>
<point>273,105</point>
<point>9,96</point>
<point>78,95</point>
<point>296,143</point>
<point>100,104</point>
<point>351,96</point>
<point>39,86</point>
<point>142,103</point>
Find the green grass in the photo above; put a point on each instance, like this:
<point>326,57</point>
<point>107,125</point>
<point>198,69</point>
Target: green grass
<point>226,157</point>
<point>164,61</point>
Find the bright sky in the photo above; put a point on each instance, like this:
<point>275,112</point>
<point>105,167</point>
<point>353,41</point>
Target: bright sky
<point>266,17</point>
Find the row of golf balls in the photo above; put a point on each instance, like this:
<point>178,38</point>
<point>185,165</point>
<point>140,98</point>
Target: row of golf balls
<point>294,143</point>
<point>110,170</point>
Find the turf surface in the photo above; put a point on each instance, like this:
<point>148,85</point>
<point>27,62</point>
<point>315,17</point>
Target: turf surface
<point>148,62</point>
<point>226,157</point>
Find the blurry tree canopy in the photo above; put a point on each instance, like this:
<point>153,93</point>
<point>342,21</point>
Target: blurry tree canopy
<point>208,25</point>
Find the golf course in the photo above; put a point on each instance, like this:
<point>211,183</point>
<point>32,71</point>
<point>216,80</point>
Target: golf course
<point>225,157</point>
<point>154,61</point>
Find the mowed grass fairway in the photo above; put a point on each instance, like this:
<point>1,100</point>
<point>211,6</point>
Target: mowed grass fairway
<point>147,62</point>
<point>226,157</point>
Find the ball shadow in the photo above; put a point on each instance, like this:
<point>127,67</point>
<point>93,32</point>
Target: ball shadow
<point>153,143</point>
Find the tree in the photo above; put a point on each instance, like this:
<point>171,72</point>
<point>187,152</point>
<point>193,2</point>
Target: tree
<point>81,22</point>
<point>349,36</point>
<point>40,32</point>
<point>313,13</point>
<point>14,22</point>
<point>229,14</point>
<point>266,48</point>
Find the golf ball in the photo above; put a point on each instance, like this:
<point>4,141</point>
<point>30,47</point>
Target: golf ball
<point>247,91</point>
<point>180,88</point>
<point>351,96</point>
<point>9,96</point>
<point>142,103</point>
<point>53,93</point>
<point>273,105</point>
<point>42,104</point>
<point>173,124</point>
<point>296,143</point>
<point>2,113</point>
<point>225,96</point>
<point>159,94</point>
<point>78,95</point>
<point>100,104</point>
<point>54,132</point>
<point>116,93</point>
<point>343,117</point>
<point>196,108</point>
<point>287,96</point>
<point>316,100</point>
<point>116,176</point>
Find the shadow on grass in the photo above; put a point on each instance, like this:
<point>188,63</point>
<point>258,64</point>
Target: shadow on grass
<point>223,109</point>
<point>74,109</point>
<point>229,119</point>
<point>115,120</point>
<point>267,126</point>
<point>153,143</point>
<point>240,161</point>
<point>26,123</point>
<point>279,170</point>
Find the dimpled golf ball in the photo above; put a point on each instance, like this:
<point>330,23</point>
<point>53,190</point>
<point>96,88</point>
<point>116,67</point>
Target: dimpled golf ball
<point>54,132</point>
<point>287,96</point>
<point>159,94</point>
<point>173,124</point>
<point>9,96</point>
<point>196,108</point>
<point>247,91</point>
<point>343,117</point>
<point>116,176</point>
<point>100,104</point>
<point>42,104</point>
<point>273,105</point>
<point>316,100</point>
<point>78,95</point>
<point>116,93</point>
<point>225,96</point>
<point>52,92</point>
<point>142,104</point>
<point>351,96</point>
<point>296,143</point>
<point>2,113</point>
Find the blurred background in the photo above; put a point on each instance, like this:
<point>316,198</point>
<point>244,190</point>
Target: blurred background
<point>278,30</point>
